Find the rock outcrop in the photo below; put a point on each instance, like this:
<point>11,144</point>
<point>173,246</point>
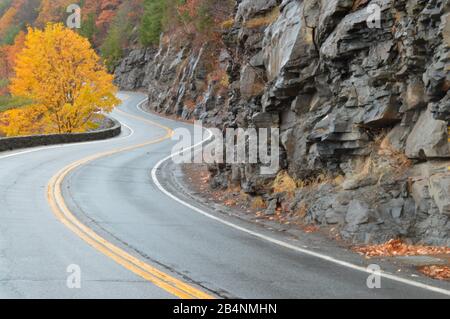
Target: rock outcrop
<point>133,73</point>
<point>359,90</point>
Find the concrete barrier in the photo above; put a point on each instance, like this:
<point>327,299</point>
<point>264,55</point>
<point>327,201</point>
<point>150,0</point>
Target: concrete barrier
<point>13,143</point>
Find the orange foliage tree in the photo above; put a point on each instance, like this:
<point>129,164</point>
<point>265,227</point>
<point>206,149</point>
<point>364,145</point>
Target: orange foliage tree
<point>52,11</point>
<point>104,12</point>
<point>7,20</point>
<point>8,55</point>
<point>60,72</point>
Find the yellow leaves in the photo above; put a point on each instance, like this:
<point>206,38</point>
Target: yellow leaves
<point>24,121</point>
<point>60,71</point>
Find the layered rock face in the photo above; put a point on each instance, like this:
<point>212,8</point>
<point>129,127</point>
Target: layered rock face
<point>360,92</point>
<point>174,75</point>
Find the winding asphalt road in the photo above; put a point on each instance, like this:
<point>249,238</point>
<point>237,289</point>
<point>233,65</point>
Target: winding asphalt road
<point>96,206</point>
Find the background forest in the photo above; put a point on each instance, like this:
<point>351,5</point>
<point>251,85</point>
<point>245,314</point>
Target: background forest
<point>113,27</point>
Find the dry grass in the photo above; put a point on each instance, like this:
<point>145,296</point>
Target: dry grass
<point>396,158</point>
<point>257,89</point>
<point>220,77</point>
<point>384,162</point>
<point>284,183</point>
<point>317,181</point>
<point>358,4</point>
<point>263,20</point>
<point>244,197</point>
<point>228,24</point>
<point>258,203</point>
<point>302,210</point>
<point>338,180</point>
<point>234,189</point>
<point>190,104</point>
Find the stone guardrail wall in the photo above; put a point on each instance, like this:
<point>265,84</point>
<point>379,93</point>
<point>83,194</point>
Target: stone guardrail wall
<point>13,143</point>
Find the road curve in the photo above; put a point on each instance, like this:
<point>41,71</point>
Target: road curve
<point>95,205</point>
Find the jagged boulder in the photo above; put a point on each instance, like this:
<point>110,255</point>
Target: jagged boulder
<point>250,8</point>
<point>251,82</point>
<point>290,52</point>
<point>131,73</point>
<point>358,213</point>
<point>428,139</point>
<point>440,192</point>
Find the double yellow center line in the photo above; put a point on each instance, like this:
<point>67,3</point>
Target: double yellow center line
<point>55,198</point>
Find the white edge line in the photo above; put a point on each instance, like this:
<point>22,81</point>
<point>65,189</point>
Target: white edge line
<point>279,242</point>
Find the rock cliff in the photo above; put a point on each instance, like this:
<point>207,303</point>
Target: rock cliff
<point>359,90</point>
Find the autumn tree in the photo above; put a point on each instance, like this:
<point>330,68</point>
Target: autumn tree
<point>14,15</point>
<point>117,37</point>
<point>108,10</point>
<point>60,72</point>
<point>6,21</point>
<point>22,121</point>
<point>8,55</point>
<point>4,5</point>
<point>52,11</point>
<point>27,11</point>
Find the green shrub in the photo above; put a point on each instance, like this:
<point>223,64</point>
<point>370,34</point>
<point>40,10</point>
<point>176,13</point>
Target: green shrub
<point>8,102</point>
<point>4,83</point>
<point>205,20</point>
<point>152,21</point>
<point>88,28</point>
<point>116,39</point>
<point>4,5</point>
<point>10,35</point>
